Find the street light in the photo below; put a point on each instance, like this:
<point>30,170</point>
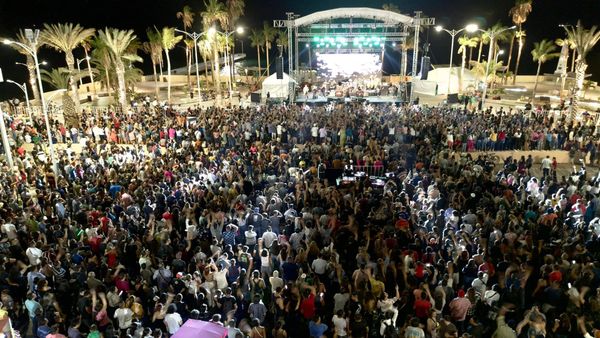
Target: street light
<point>79,61</point>
<point>32,37</point>
<point>5,143</point>
<point>195,36</point>
<point>487,68</point>
<point>43,63</point>
<point>23,88</point>
<point>500,52</point>
<point>470,28</point>
<point>239,30</point>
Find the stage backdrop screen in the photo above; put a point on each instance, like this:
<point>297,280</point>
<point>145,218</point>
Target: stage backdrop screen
<point>336,66</point>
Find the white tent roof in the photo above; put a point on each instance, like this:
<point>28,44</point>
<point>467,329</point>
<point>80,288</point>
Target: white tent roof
<point>440,76</point>
<point>354,12</point>
<point>279,88</point>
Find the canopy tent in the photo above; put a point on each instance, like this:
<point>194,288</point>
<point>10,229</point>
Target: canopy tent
<point>277,88</point>
<point>200,329</point>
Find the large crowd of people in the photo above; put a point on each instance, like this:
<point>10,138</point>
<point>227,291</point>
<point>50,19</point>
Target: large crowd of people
<point>262,220</point>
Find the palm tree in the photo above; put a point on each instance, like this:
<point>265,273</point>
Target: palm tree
<point>215,12</point>
<point>235,9</point>
<point>186,15</point>
<point>391,7</point>
<point>205,50</point>
<point>407,44</point>
<point>464,43</point>
<point>21,38</point>
<point>561,42</point>
<point>187,18</point>
<point>519,13</point>
<point>118,43</point>
<point>542,52</point>
<point>479,69</point>
<point>269,34</point>
<point>87,47</point>
<point>65,38</point>
<point>584,40</point>
<point>256,40</point>
<point>168,40</point>
<point>153,47</point>
<point>476,40</point>
<point>60,79</point>
<point>484,39</point>
<point>102,60</point>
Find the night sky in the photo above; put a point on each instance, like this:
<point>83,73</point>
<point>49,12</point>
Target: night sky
<point>138,15</point>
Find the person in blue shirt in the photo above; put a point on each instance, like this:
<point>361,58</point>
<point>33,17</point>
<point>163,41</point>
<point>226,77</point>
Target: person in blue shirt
<point>316,328</point>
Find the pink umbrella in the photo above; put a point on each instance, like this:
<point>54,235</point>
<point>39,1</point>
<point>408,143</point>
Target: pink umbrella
<point>200,329</point>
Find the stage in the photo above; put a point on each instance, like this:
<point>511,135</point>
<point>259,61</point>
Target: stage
<point>317,100</point>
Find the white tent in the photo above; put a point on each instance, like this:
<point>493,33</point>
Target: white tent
<point>277,88</point>
<point>440,76</point>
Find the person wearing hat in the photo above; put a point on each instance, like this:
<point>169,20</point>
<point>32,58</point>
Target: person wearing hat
<point>459,307</point>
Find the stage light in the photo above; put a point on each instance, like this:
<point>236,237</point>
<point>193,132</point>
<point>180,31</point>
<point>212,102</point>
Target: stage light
<point>316,39</point>
<point>307,45</point>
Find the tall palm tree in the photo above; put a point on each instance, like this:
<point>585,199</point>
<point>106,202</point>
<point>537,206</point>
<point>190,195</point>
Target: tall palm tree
<point>465,42</point>
<point>87,48</point>
<point>215,12</point>
<point>102,60</point>
<point>153,47</point>
<point>484,39</point>
<point>479,69</point>
<point>205,50</point>
<point>269,34</point>
<point>235,9</point>
<point>65,38</point>
<point>542,52</point>
<point>186,15</point>
<point>519,13</point>
<point>407,44</point>
<point>21,38</point>
<point>256,40</point>
<point>60,79</point>
<point>391,7</point>
<point>572,46</point>
<point>585,40</point>
<point>118,43</point>
<point>168,40</point>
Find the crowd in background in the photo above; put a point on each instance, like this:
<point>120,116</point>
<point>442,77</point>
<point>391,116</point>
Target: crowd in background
<point>261,220</point>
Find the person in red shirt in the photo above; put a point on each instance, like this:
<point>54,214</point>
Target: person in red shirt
<point>307,305</point>
<point>422,307</point>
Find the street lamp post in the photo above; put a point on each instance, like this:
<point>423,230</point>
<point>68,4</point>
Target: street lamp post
<point>471,28</point>
<point>79,61</point>
<point>23,88</point>
<point>490,52</point>
<point>239,30</point>
<point>5,143</point>
<point>195,37</point>
<point>33,36</point>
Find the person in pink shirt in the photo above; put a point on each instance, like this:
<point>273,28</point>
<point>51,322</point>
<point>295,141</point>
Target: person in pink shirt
<point>459,307</point>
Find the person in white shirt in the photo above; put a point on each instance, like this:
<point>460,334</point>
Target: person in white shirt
<point>34,254</point>
<point>269,237</point>
<point>172,320</point>
<point>479,283</point>
<point>319,265</point>
<point>340,324</point>
<point>124,316</point>
<point>250,236</point>
<point>275,281</point>
<point>10,230</point>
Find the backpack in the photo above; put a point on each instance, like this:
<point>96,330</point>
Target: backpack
<point>390,331</point>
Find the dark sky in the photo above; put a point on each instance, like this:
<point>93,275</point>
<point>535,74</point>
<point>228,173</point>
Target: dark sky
<point>138,15</point>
